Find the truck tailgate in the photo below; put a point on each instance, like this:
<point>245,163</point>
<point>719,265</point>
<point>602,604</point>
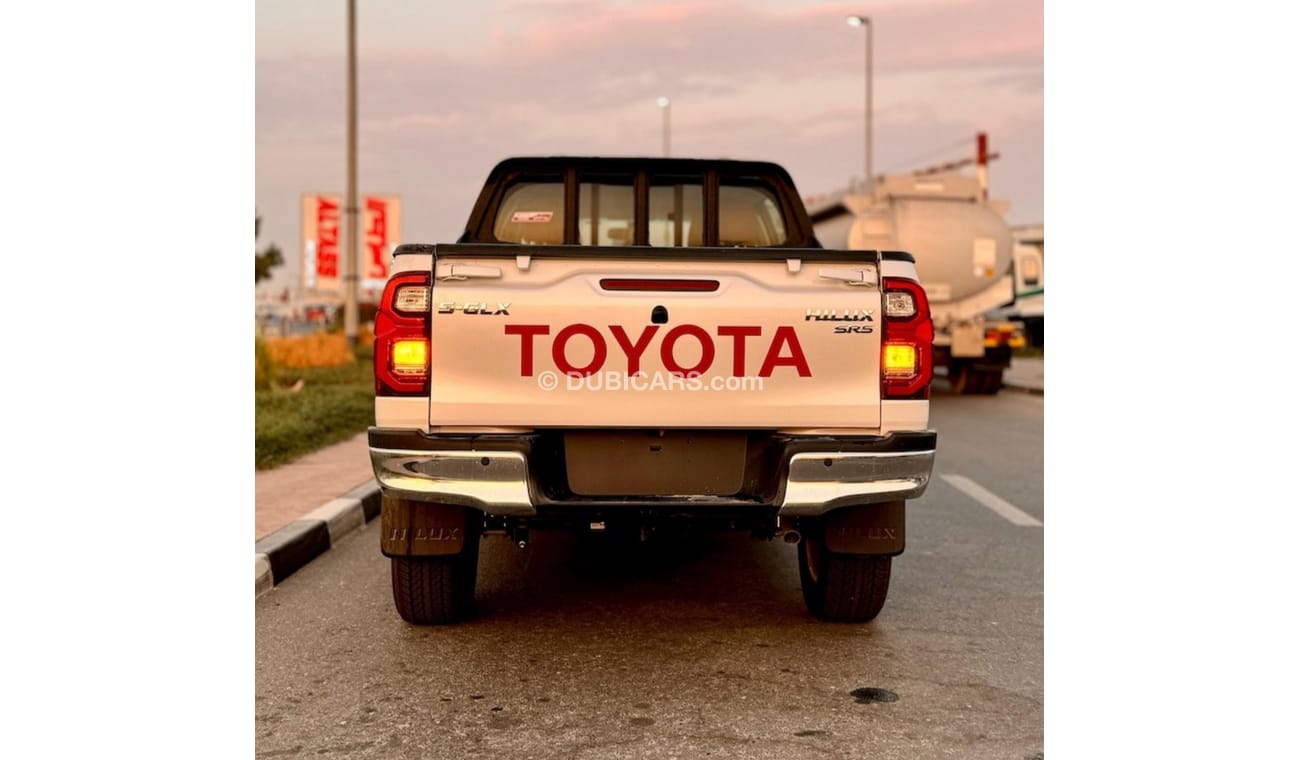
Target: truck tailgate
<point>619,337</point>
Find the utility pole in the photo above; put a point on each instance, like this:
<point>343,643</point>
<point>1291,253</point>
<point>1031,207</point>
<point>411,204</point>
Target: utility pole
<point>665,105</point>
<point>871,176</point>
<point>351,276</point>
<point>865,22</point>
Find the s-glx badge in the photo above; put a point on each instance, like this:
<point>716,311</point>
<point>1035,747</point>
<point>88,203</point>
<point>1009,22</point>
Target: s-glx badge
<point>474,307</point>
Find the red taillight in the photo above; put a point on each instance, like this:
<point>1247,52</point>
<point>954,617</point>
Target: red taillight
<point>906,351</point>
<point>402,337</point>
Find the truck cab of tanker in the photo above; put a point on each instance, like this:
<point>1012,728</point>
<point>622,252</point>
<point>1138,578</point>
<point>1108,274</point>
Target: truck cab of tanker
<point>1027,268</point>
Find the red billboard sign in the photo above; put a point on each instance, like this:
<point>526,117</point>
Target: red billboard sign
<point>324,247</point>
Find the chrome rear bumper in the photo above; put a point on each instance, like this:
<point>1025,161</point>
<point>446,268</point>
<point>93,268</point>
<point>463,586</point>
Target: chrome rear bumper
<point>493,481</point>
<point>820,481</point>
<point>500,474</point>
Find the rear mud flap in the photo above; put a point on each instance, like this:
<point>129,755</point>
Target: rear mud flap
<point>865,529</point>
<point>420,529</point>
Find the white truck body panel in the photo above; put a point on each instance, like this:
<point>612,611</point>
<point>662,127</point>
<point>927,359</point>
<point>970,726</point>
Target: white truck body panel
<point>963,249</point>
<point>811,375</point>
<point>962,244</point>
<point>998,293</point>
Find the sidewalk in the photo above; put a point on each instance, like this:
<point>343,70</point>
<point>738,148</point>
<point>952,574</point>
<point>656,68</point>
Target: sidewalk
<point>306,505</point>
<point>287,493</point>
<point>1024,375</point>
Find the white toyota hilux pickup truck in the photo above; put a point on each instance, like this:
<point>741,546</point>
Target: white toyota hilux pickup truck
<point>625,342</point>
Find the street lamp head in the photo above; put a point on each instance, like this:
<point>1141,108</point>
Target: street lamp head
<point>857,20</point>
<point>663,102</point>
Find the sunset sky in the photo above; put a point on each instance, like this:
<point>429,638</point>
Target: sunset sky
<point>446,90</point>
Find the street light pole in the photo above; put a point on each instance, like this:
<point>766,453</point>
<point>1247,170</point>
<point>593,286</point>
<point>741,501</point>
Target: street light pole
<point>665,105</point>
<point>351,277</point>
<point>865,21</point>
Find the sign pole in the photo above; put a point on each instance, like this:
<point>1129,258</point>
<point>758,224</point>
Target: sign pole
<point>352,270</point>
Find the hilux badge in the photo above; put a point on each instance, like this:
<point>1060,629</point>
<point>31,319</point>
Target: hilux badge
<point>838,315</point>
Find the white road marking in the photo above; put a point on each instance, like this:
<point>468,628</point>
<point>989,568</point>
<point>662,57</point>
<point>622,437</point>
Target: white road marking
<point>991,500</point>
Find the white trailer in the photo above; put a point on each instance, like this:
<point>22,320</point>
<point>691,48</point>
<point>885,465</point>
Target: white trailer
<point>964,260</point>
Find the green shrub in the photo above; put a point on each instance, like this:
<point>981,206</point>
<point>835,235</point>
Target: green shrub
<point>331,405</point>
<point>262,369</point>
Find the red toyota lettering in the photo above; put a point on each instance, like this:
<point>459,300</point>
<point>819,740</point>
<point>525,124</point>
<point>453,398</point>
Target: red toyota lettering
<point>706,350</point>
<point>738,333</point>
<point>785,336</point>
<point>526,334</point>
<point>600,351</point>
<point>783,351</point>
<point>633,351</point>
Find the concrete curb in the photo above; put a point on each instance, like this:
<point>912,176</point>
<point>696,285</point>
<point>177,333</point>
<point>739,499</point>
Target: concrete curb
<point>1022,388</point>
<point>289,549</point>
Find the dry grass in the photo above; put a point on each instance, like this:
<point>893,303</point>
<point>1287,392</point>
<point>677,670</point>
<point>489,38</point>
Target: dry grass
<point>318,350</point>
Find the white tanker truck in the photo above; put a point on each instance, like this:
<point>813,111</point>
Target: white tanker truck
<point>963,250</point>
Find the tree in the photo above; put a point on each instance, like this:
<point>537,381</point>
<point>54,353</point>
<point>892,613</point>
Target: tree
<point>267,259</point>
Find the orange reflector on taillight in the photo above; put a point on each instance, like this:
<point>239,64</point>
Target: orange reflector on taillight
<point>900,360</point>
<point>410,357</point>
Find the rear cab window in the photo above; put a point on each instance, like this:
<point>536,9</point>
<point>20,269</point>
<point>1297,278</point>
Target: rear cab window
<point>749,215</point>
<point>626,204</point>
<point>676,211</point>
<point>531,212</point>
<point>605,211</point>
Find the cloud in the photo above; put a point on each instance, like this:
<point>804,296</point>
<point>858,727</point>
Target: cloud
<point>414,121</point>
<point>575,76</point>
<point>606,57</point>
<point>737,37</point>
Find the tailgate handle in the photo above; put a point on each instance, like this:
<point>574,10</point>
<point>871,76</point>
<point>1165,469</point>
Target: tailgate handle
<point>850,276</point>
<point>446,272</point>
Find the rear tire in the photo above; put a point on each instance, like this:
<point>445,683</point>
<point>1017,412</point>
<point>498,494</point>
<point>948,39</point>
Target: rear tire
<point>960,377</point>
<point>967,380</point>
<point>433,590</point>
<point>841,588</point>
<point>992,382</point>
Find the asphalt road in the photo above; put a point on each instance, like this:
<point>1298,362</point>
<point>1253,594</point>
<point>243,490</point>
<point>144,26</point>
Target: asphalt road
<point>586,649</point>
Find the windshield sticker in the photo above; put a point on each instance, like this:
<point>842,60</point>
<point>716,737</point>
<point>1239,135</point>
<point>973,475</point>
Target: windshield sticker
<point>530,217</point>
